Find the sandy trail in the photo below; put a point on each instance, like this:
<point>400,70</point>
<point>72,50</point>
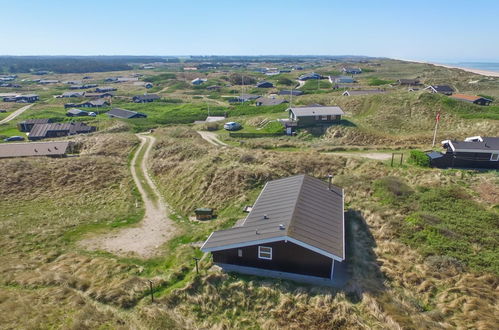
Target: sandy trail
<point>155,228</point>
<point>212,138</point>
<point>15,114</point>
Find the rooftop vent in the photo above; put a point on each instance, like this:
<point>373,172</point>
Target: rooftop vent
<point>265,216</point>
<point>282,227</point>
<point>256,232</point>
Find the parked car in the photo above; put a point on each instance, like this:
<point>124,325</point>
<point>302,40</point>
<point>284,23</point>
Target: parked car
<point>92,114</point>
<point>232,126</point>
<point>14,138</point>
<point>3,111</point>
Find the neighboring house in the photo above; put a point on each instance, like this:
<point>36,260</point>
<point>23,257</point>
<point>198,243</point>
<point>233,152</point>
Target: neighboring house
<point>33,149</point>
<point>99,95</point>
<point>266,101</point>
<point>148,85</point>
<point>308,76</point>
<point>295,230</point>
<point>27,125</point>
<point>363,92</point>
<point>125,114</point>
<point>341,80</point>
<point>198,81</point>
<point>73,94</point>
<point>291,92</point>
<point>145,98</point>
<point>314,115</point>
<point>89,104</point>
<point>472,99</point>
<point>264,84</point>
<point>28,98</point>
<point>441,89</point>
<point>48,81</point>
<point>473,152</point>
<point>53,130</point>
<point>352,70</point>
<point>409,82</point>
<point>244,98</point>
<point>213,88</point>
<point>126,79</point>
<point>105,89</point>
<point>87,86</point>
<point>77,113</point>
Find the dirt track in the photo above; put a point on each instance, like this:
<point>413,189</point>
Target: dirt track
<point>212,138</point>
<point>155,228</point>
<point>16,113</point>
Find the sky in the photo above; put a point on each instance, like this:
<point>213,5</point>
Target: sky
<point>438,30</point>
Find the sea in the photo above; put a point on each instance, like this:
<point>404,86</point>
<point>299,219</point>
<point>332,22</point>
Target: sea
<point>487,66</point>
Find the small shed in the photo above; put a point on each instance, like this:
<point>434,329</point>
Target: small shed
<point>204,213</point>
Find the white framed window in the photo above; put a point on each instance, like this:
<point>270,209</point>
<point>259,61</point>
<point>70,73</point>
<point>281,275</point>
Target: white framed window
<point>239,253</point>
<point>494,157</point>
<point>324,117</point>
<point>265,252</point>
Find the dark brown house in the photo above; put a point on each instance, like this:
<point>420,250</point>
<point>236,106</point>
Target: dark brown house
<point>53,130</point>
<point>441,89</point>
<point>296,228</point>
<point>27,125</point>
<point>315,115</point>
<point>473,152</point>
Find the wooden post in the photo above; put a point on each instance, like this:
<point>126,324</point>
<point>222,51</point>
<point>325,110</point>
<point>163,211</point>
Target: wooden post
<point>401,158</point>
<point>150,289</point>
<point>196,260</point>
<point>393,154</point>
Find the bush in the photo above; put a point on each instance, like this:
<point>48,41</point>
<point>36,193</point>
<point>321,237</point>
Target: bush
<point>419,158</point>
<point>212,126</point>
<point>285,81</point>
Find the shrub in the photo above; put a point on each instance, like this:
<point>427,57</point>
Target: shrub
<point>419,158</point>
<point>285,81</point>
<point>391,190</point>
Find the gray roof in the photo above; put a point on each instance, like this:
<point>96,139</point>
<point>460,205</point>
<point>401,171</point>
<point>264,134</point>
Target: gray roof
<point>37,121</point>
<point>308,211</point>
<point>146,97</point>
<point>8,150</point>
<point>76,112</point>
<point>41,130</point>
<point>269,101</point>
<point>316,111</point>
<point>487,143</point>
<point>289,92</point>
<point>72,94</point>
<point>442,88</point>
<point>123,113</point>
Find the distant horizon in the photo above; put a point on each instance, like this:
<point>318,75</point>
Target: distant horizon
<point>392,29</point>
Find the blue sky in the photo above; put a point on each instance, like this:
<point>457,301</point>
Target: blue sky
<point>439,30</point>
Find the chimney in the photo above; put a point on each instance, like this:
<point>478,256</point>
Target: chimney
<point>281,227</point>
<point>330,180</point>
<point>265,216</point>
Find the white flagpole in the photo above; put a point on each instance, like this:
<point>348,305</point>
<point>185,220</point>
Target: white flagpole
<point>436,127</point>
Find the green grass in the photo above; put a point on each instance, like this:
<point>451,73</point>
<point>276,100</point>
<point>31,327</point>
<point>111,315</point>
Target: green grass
<point>444,221</point>
<point>313,86</point>
<point>375,81</point>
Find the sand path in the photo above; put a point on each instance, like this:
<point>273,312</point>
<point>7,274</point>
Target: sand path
<point>155,228</point>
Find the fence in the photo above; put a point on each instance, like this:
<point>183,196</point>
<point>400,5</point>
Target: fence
<point>253,135</point>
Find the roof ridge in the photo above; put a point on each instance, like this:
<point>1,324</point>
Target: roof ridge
<point>291,221</point>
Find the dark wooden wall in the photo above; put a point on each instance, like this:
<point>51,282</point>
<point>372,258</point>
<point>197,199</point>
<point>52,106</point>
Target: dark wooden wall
<point>286,257</point>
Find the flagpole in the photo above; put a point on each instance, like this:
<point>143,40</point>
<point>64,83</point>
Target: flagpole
<point>436,127</point>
